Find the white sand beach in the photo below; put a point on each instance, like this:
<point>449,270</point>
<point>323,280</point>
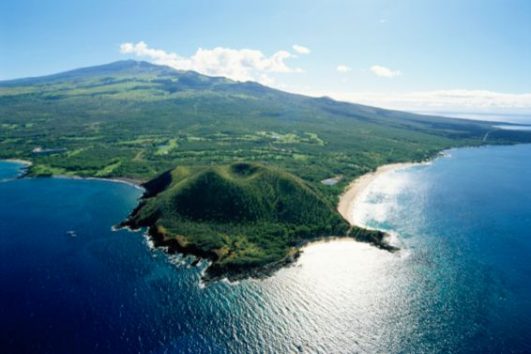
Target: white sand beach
<point>348,200</point>
<point>23,162</point>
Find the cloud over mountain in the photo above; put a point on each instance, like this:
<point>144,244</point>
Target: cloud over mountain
<point>236,64</point>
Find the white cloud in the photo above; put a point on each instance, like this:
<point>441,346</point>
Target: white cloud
<point>236,64</point>
<point>383,20</point>
<point>301,49</point>
<point>343,68</point>
<point>382,71</point>
<point>249,64</point>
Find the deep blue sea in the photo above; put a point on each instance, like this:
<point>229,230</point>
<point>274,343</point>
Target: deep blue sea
<point>460,284</point>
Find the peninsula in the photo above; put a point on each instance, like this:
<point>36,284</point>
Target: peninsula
<point>246,218</point>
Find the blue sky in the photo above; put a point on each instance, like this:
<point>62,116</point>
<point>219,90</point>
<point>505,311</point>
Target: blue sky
<point>421,55</point>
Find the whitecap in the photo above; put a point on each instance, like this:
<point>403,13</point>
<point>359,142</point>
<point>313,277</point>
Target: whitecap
<point>380,198</point>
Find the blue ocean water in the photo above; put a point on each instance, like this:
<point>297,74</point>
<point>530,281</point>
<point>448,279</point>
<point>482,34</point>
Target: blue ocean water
<point>461,283</point>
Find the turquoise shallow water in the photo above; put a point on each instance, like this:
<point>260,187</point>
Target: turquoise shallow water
<point>462,282</point>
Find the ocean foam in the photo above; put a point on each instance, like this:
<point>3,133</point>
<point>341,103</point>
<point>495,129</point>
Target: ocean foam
<point>380,199</point>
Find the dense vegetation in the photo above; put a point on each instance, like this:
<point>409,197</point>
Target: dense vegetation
<point>136,120</point>
<point>242,216</point>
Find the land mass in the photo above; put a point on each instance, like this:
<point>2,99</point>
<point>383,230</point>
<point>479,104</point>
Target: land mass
<point>233,170</point>
<point>248,219</point>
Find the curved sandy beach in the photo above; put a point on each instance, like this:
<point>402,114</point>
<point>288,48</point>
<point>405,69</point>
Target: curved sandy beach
<point>26,163</point>
<point>349,198</point>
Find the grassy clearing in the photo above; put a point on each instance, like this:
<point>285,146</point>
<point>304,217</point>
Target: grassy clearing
<point>167,147</point>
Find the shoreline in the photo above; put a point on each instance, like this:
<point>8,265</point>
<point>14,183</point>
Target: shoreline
<point>124,180</point>
<point>352,193</point>
<point>127,181</point>
<point>26,163</point>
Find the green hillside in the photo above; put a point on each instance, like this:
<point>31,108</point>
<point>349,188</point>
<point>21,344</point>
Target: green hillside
<point>242,216</point>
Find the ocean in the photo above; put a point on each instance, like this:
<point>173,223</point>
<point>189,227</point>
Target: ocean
<point>461,282</point>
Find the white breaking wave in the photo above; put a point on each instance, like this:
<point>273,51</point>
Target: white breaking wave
<point>380,198</point>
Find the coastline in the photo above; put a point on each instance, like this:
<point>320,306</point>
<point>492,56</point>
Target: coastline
<point>26,163</point>
<point>129,182</point>
<point>23,169</point>
<point>124,180</point>
<point>353,192</point>
<point>215,272</point>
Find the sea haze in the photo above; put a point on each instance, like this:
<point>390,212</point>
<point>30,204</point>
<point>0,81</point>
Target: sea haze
<point>461,282</point>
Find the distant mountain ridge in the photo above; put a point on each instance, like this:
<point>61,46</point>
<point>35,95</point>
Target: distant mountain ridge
<point>192,79</point>
<point>130,66</point>
<point>131,69</point>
